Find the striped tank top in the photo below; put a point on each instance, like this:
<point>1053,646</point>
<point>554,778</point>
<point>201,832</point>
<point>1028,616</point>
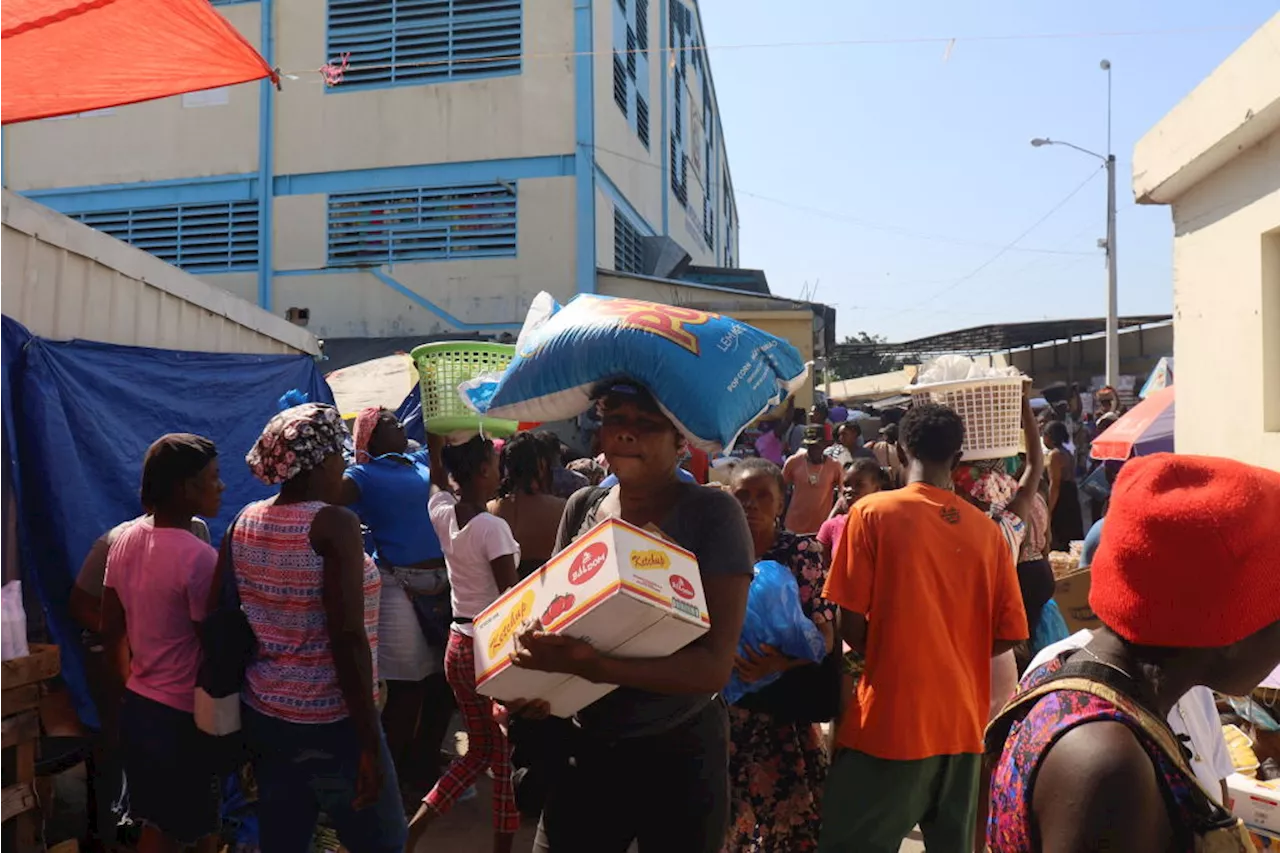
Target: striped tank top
<point>281,579</point>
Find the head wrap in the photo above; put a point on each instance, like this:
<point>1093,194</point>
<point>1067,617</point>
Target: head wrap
<point>1188,554</point>
<point>296,440</point>
<point>365,423</point>
<point>986,480</point>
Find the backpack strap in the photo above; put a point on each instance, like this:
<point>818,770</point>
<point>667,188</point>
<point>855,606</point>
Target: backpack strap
<point>1095,680</point>
<point>585,509</point>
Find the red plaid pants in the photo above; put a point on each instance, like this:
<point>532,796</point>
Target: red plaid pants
<point>487,746</point>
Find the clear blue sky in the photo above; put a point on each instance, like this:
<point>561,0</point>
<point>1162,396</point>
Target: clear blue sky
<point>927,146</point>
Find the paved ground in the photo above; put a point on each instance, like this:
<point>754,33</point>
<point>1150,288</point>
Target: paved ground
<point>467,829</point>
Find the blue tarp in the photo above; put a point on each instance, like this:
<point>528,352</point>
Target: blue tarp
<point>83,415</point>
<point>410,414</point>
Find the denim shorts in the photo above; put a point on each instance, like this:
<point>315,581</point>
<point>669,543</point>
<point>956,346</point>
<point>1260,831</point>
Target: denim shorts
<point>305,769</point>
<point>170,782</point>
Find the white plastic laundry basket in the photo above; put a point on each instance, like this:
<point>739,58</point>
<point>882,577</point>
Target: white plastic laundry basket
<point>990,408</point>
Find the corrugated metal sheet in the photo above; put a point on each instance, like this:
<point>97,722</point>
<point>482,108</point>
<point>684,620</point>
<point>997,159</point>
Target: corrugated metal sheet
<point>64,280</point>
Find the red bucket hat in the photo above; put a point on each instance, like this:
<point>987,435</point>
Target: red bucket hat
<point>1190,555</point>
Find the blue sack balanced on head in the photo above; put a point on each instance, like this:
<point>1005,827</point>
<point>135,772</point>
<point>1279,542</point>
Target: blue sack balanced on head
<point>775,618</point>
<point>711,374</point>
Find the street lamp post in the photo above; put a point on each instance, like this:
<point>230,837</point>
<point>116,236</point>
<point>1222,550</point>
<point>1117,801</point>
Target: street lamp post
<point>1109,243</point>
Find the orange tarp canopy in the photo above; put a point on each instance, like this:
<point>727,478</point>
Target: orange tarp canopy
<point>70,56</point>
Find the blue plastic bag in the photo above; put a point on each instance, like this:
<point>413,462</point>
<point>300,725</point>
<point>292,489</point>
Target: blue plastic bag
<point>1050,629</point>
<point>775,618</point>
<point>711,374</point>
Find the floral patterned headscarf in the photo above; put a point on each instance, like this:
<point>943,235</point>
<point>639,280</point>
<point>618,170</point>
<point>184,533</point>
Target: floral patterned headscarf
<point>365,424</point>
<point>987,481</point>
<point>296,440</point>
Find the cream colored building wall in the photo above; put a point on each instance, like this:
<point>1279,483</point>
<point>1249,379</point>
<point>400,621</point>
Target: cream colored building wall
<point>64,280</point>
<point>153,141</point>
<point>605,259</point>
<point>1215,157</point>
<point>519,115</point>
<point>635,170</point>
<point>1226,279</point>
<point>490,290</point>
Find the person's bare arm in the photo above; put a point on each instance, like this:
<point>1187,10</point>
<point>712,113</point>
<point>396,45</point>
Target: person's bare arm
<point>85,607</point>
<point>853,630</point>
<point>115,639</point>
<point>1097,791</point>
<point>1029,485</point>
<point>504,571</point>
<point>439,474</point>
<point>703,666</point>
<point>335,536</point>
<point>350,492</point>
<point>999,647</point>
<point>1055,478</point>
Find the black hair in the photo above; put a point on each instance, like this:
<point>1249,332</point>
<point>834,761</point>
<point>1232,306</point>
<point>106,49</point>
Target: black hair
<point>612,395</point>
<point>377,425</point>
<point>758,465</point>
<point>522,458</point>
<point>890,433</point>
<point>170,461</point>
<point>932,432</point>
<point>552,445</point>
<point>853,425</point>
<point>799,417</point>
<point>865,466</point>
<point>464,460</point>
<point>1056,431</point>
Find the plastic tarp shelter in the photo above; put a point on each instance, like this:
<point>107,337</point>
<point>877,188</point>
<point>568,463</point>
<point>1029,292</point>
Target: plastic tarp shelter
<point>68,56</point>
<point>78,418</point>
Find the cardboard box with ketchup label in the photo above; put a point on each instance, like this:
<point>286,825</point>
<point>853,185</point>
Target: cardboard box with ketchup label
<point>626,591</point>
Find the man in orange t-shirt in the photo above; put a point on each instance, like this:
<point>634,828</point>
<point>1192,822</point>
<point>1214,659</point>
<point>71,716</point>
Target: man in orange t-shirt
<point>928,592</point>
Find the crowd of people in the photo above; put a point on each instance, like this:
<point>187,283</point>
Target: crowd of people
<point>925,575</point>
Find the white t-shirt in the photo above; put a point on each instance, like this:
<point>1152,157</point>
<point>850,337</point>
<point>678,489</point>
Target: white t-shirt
<point>468,553</point>
<point>1194,716</point>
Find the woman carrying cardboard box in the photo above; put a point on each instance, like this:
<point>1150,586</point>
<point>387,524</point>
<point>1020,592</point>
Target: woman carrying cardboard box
<point>651,758</point>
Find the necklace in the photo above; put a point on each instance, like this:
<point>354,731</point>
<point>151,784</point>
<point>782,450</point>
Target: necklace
<point>813,478</point>
<point>1107,664</point>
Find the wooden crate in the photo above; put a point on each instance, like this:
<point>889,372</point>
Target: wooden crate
<point>43,663</point>
<point>21,687</point>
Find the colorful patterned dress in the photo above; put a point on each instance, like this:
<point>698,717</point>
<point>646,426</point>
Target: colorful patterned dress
<point>1010,825</point>
<point>777,770</point>
<point>280,578</point>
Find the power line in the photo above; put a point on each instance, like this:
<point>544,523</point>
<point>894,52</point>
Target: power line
<point>1008,246</point>
<point>861,42</point>
<point>843,217</point>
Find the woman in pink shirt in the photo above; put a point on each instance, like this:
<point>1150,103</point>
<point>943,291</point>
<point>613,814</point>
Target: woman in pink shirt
<point>863,477</point>
<point>156,593</point>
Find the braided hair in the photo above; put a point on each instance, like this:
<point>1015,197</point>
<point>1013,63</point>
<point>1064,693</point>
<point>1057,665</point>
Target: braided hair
<point>522,464</point>
<point>463,461</point>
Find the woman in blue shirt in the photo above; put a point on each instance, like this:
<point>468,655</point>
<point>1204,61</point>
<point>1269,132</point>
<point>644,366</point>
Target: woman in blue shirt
<point>388,488</point>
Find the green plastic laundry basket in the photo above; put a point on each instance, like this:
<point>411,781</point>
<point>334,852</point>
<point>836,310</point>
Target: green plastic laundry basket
<point>441,368</point>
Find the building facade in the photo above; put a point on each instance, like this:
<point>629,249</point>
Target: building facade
<point>1215,160</point>
<point>474,153</point>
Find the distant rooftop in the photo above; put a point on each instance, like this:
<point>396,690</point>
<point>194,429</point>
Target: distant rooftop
<point>750,281</point>
<point>999,337</point>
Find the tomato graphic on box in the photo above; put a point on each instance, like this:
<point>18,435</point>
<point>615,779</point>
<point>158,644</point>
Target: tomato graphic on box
<point>559,606</point>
